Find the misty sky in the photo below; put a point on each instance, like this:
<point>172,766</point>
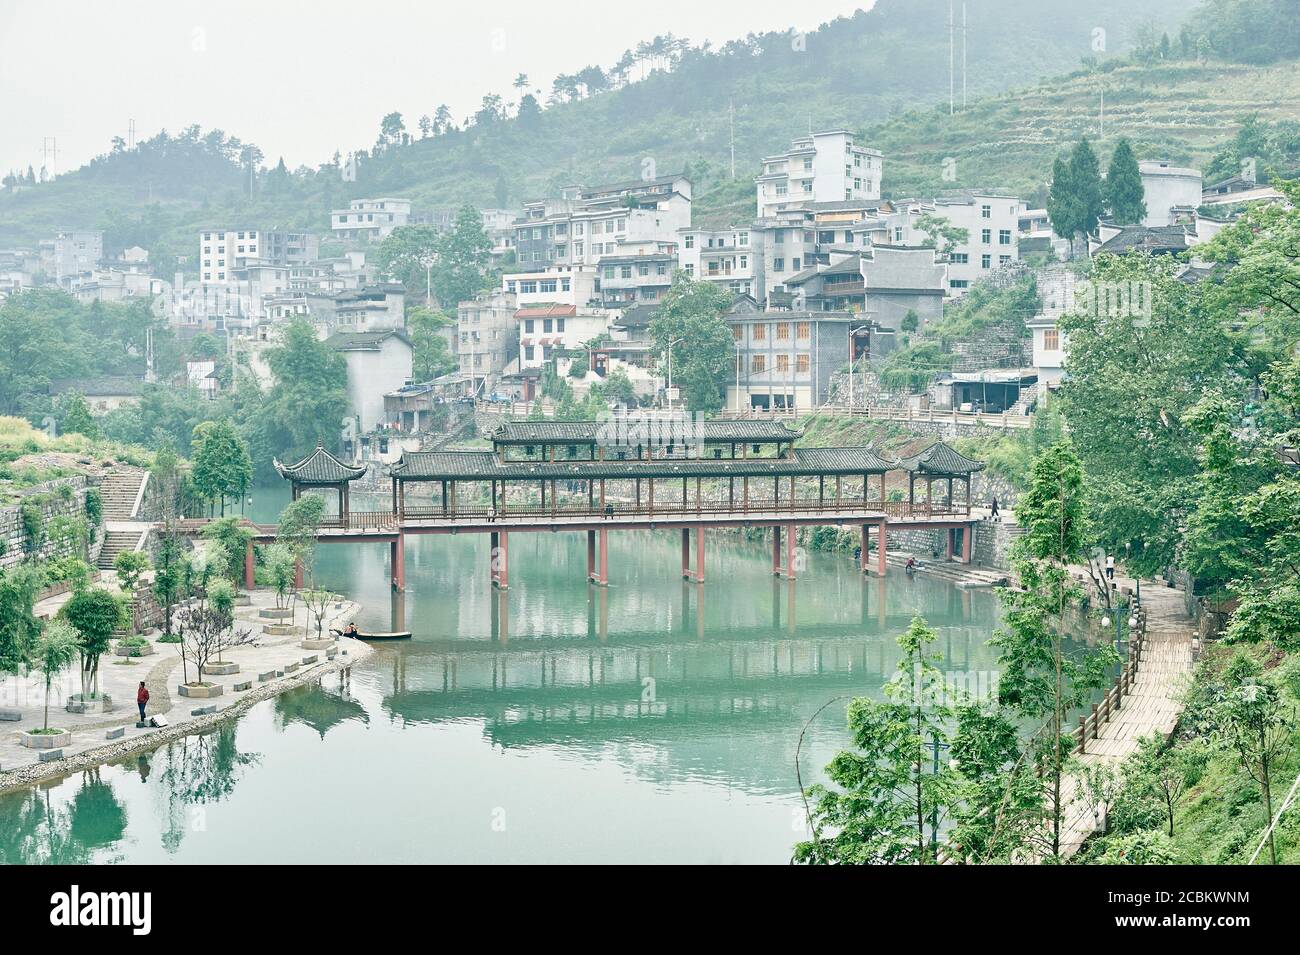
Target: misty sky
<point>303,79</point>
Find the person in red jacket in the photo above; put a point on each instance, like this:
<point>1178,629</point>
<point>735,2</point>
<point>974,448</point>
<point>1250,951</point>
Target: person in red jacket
<point>141,699</point>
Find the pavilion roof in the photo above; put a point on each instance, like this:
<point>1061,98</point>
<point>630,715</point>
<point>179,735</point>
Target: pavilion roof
<point>486,466</point>
<point>942,460</point>
<point>319,467</point>
<point>595,432</point>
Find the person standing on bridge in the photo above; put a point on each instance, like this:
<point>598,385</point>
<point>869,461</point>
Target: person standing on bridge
<point>1110,566</point>
<point>996,516</point>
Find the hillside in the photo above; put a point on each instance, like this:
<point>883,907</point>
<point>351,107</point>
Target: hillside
<point>1183,111</point>
<point>853,72</point>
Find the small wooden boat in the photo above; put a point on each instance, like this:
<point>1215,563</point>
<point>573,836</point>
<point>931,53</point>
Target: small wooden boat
<point>384,635</point>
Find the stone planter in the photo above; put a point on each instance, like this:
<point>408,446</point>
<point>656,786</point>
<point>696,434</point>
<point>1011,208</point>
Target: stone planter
<point>276,613</point>
<point>196,692</point>
<point>45,740</point>
<point>136,651</point>
<point>77,703</point>
<point>224,668</point>
<point>279,629</point>
<point>316,644</point>
<point>243,600</point>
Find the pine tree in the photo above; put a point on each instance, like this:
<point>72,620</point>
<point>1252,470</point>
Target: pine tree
<point>1123,189</point>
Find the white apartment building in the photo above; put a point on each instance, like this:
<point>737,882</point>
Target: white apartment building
<point>722,256</point>
<point>823,167</point>
<point>584,225</point>
<point>371,219</point>
<point>222,251</point>
<point>1167,190</point>
<point>499,224</point>
<point>70,253</point>
<point>992,225</point>
<point>485,339</point>
<point>544,328</point>
<point>562,285</point>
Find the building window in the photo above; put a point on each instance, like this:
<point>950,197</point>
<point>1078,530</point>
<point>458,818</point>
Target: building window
<point>783,362</point>
<point>986,236</point>
<point>1051,339</point>
<point>782,331</point>
<point>803,330</point>
<point>737,332</point>
<point>778,265</point>
<point>1004,237</point>
<point>757,364</point>
<point>801,364</point>
<point>958,283</point>
<point>760,332</point>
<point>960,258</point>
<point>986,212</point>
<point>985,261</point>
<point>690,241</point>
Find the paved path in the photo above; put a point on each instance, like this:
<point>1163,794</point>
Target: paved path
<point>1151,708</point>
<point>161,672</point>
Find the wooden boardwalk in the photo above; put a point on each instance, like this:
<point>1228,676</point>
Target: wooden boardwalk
<point>1151,707</point>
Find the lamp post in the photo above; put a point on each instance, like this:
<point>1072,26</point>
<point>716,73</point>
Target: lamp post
<point>852,337</point>
<point>670,371</point>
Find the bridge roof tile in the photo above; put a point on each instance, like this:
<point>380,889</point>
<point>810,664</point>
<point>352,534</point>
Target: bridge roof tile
<point>940,459</point>
<point>593,432</point>
<point>319,467</point>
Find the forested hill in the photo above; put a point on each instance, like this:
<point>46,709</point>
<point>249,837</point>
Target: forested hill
<point>668,103</point>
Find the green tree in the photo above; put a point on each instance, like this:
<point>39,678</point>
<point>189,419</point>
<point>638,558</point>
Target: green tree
<point>1123,188</point>
<point>892,789</point>
<point>432,358</point>
<point>94,614</point>
<point>18,626</point>
<point>406,253</point>
<point>231,539</point>
<point>309,399</point>
<point>941,234</point>
<point>1040,680</point>
<point>691,316</point>
<point>76,417</point>
<point>53,652</point>
<point>463,253</point>
<point>222,466</point>
<point>297,528</point>
<point>1074,201</point>
<point>130,566</point>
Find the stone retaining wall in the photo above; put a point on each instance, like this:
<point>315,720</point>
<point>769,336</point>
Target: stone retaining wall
<point>14,538</point>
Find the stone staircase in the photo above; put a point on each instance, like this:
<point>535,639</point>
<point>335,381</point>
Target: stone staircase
<point>119,492</point>
<point>123,529</point>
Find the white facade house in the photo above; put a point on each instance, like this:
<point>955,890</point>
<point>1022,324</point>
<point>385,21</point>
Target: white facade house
<point>1168,189</point>
<point>563,285</point>
<point>582,225</point>
<point>542,329</point>
<point>70,253</point>
<point>722,256</point>
<point>222,251</point>
<point>371,219</point>
<point>1056,290</point>
<point>378,362</point>
<point>992,223</point>
<point>823,167</point>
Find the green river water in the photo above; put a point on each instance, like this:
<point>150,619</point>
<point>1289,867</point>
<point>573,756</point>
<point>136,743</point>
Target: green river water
<point>652,721</point>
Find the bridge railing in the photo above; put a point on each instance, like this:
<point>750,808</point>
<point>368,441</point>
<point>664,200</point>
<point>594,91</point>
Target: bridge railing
<point>723,509</point>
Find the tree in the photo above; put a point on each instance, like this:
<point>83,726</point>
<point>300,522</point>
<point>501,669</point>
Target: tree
<point>1259,726</point>
<point>222,466</point>
<point>76,417</point>
<point>1074,201</point>
<point>18,626</point>
<point>297,528</point>
<point>169,576</point>
<point>53,652</point>
<point>94,614</point>
<point>893,785</point>
<point>941,234</point>
<point>463,253</point>
<point>205,631</point>
<point>281,562</point>
<point>406,252</point>
<point>432,357</point>
<point>1040,681</point>
<point>232,540</point>
<point>130,566</point>
<point>1124,194</point>
<point>309,398</point>
<point>391,128</point>
<point>692,312</point>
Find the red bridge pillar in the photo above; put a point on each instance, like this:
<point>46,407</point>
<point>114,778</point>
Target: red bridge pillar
<point>776,550</point>
<point>250,580</point>
<point>499,553</point>
<point>397,561</point>
<point>881,548</point>
<point>591,554</point>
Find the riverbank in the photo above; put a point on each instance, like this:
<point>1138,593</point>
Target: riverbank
<point>266,668</point>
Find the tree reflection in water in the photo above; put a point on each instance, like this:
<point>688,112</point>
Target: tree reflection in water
<point>34,830</point>
<point>193,772</point>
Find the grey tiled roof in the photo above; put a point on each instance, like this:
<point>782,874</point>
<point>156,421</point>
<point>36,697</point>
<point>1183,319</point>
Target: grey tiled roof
<point>319,467</point>
<point>484,466</point>
<point>938,458</point>
<point>590,432</point>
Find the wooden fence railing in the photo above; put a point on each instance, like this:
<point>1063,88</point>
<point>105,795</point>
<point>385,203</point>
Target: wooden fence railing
<point>614,510</point>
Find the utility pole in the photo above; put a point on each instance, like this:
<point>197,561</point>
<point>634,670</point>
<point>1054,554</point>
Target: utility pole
<point>50,154</point>
<point>951,78</point>
<point>963,54</point>
<point>731,107</point>
<point>130,134</point>
<point>1102,115</point>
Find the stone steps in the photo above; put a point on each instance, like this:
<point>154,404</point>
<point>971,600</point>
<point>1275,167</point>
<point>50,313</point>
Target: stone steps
<point>119,491</point>
<point>114,543</point>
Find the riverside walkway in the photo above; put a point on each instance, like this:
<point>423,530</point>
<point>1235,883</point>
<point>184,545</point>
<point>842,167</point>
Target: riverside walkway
<point>1149,707</point>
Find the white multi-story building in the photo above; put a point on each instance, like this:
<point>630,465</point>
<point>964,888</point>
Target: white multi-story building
<point>544,328</point>
<point>724,257</point>
<point>221,251</point>
<point>499,224</point>
<point>583,225</point>
<point>991,222</point>
<point>71,253</point>
<point>371,219</point>
<point>1168,190</point>
<point>486,339</point>
<point>822,167</point>
<point>562,285</point>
